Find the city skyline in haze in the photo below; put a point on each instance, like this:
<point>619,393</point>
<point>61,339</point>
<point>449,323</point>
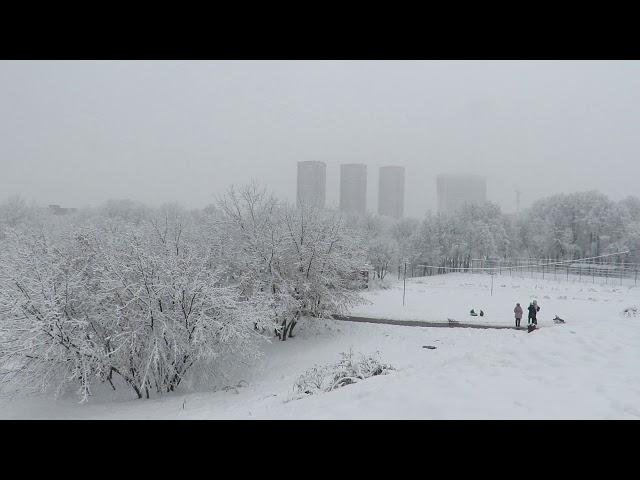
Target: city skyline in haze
<point>78,133</point>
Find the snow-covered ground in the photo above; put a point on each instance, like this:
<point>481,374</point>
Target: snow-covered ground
<point>587,368</point>
<point>440,297</point>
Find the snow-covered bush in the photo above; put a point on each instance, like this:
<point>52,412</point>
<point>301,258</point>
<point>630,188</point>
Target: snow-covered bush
<point>139,304</point>
<point>46,307</point>
<point>631,312</point>
<point>345,372</point>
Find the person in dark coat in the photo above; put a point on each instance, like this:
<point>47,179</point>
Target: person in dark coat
<point>518,312</point>
<point>533,312</point>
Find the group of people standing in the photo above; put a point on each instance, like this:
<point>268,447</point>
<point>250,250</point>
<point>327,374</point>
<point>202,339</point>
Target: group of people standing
<point>534,308</point>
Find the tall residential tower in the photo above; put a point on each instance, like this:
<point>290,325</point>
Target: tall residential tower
<point>353,188</point>
<point>312,182</point>
<point>391,192</point>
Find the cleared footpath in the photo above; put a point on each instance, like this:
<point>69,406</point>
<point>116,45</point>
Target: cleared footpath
<point>421,323</point>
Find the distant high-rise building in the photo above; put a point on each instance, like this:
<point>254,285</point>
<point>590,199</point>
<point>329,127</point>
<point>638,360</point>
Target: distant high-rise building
<point>391,192</point>
<point>312,182</point>
<point>353,188</point>
<point>456,190</point>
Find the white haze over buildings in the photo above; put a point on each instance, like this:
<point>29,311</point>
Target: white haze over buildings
<point>79,133</point>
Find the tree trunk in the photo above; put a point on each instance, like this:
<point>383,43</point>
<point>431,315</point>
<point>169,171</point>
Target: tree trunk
<point>291,325</point>
<point>109,378</point>
<point>137,390</point>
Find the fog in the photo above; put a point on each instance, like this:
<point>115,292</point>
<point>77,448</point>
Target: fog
<point>79,133</point>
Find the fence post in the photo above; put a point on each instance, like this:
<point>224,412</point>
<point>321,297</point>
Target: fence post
<point>404,282</point>
<point>567,274</point>
<point>636,279</point>
<point>580,273</point>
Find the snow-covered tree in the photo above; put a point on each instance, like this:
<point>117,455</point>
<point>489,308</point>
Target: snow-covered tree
<point>630,209</point>
<point>383,253</point>
<point>140,305</point>
<point>323,262</point>
<point>307,259</point>
<point>404,232</point>
<point>631,242</point>
<point>562,226</point>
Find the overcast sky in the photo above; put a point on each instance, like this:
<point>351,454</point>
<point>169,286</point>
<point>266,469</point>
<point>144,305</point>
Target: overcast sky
<point>79,133</point>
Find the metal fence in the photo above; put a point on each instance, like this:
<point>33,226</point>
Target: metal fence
<point>604,269</point>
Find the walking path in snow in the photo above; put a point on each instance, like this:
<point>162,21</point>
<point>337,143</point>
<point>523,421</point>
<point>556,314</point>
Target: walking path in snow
<point>422,323</point>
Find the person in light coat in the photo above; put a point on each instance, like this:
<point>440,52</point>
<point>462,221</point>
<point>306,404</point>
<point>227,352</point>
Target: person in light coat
<point>518,312</point>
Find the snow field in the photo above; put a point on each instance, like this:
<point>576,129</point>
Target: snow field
<point>585,369</point>
<point>453,295</point>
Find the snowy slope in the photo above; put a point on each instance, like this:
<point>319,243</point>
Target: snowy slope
<point>587,368</point>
